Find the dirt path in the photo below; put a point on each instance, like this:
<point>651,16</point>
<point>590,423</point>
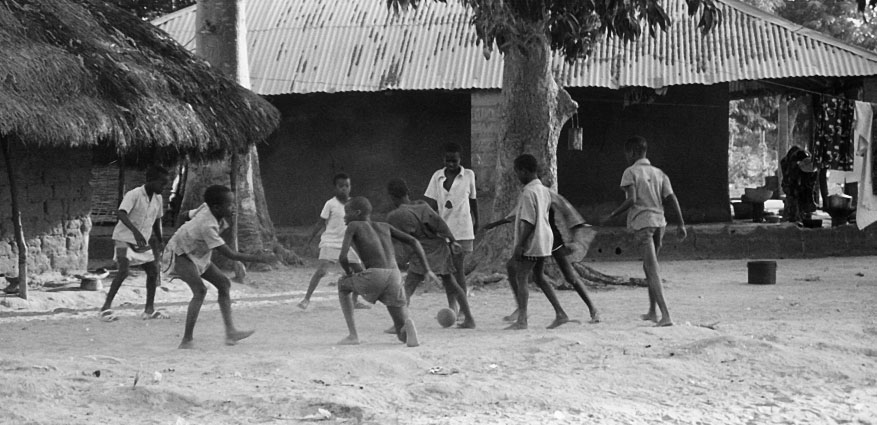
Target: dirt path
<point>801,351</point>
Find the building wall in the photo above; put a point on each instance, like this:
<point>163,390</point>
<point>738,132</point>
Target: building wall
<point>373,137</point>
<point>54,197</point>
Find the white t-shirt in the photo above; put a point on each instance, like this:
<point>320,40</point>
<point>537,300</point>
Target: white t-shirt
<point>458,216</point>
<point>141,211</point>
<point>651,186</point>
<point>333,213</point>
<point>533,205</point>
<point>198,237</point>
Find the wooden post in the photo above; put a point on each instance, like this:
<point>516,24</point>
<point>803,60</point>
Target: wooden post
<point>783,129</point>
<point>16,221</point>
<point>240,272</point>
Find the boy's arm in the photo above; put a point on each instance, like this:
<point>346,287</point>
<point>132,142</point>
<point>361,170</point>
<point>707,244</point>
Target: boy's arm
<point>319,227</point>
<point>138,237</point>
<point>630,192</point>
<point>345,248</point>
<point>239,256</point>
<point>473,208</point>
<point>681,227</point>
<point>418,249</point>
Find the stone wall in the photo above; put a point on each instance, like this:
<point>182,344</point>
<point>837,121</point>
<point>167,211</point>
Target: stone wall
<point>54,197</point>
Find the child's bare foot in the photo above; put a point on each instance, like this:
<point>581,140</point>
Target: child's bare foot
<point>561,321</point>
<point>516,326</point>
<point>350,340</point>
<point>410,332</point>
<point>362,306</point>
<point>232,338</point>
<point>665,321</point>
<point>187,345</point>
<point>595,317</point>
<point>304,304</point>
<point>511,317</point>
<point>652,317</point>
<point>390,330</point>
<point>467,324</point>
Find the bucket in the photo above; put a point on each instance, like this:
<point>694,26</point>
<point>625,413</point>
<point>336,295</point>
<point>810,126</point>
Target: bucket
<point>762,272</point>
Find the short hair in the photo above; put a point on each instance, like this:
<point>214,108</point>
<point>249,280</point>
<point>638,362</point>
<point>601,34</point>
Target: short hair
<point>155,172</point>
<point>527,162</point>
<point>397,188</point>
<point>214,194</point>
<point>339,176</point>
<point>636,145</point>
<point>452,147</point>
<point>360,203</point>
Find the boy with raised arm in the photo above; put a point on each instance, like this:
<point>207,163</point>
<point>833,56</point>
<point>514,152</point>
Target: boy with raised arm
<point>192,247</point>
<point>381,279</point>
<point>646,189</point>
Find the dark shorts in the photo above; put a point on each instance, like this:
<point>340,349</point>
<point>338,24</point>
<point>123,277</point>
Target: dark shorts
<point>384,285</point>
<point>649,234</point>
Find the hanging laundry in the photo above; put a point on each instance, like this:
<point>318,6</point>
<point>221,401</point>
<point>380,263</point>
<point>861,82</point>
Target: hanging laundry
<point>832,143</point>
<point>866,205</point>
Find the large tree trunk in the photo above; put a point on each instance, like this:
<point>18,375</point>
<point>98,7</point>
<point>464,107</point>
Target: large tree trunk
<point>221,40</point>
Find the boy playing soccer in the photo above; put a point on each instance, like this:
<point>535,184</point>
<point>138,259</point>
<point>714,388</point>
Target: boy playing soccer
<point>139,219</point>
<point>647,188</point>
<point>533,242</point>
<point>192,246</point>
<point>332,220</point>
<point>419,220</point>
<point>381,279</point>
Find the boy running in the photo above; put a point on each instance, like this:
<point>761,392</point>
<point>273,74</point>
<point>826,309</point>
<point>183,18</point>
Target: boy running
<point>381,279</point>
<point>139,220</point>
<point>192,247</point>
<point>419,220</point>
<point>647,188</point>
<point>533,242</point>
<point>332,222</point>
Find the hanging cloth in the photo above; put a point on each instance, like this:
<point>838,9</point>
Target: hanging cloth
<point>866,206</point>
<point>832,143</point>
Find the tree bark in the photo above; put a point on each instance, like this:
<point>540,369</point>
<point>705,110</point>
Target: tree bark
<point>16,220</point>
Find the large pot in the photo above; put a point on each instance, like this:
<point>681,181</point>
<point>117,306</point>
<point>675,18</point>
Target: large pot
<point>840,202</point>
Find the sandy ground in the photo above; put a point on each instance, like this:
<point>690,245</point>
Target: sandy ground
<point>801,351</point>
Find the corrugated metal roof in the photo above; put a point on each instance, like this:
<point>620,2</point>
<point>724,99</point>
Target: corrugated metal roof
<point>308,46</point>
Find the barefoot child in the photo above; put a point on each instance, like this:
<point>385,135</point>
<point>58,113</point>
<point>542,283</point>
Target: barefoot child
<point>559,251</point>
<point>647,188</point>
<point>419,220</point>
<point>192,246</point>
<point>533,242</point>
<point>139,220</point>
<point>381,279</point>
<point>332,220</point>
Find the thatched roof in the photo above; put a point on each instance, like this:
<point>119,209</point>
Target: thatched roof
<point>82,73</point>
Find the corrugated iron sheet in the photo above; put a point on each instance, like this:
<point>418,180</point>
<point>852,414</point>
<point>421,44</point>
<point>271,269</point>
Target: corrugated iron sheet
<point>308,46</point>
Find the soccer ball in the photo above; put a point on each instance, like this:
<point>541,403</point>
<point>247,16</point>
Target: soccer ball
<point>446,317</point>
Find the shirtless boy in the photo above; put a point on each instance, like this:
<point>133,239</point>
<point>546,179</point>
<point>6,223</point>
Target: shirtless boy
<point>381,279</point>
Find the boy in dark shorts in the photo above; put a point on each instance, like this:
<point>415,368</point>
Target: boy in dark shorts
<point>419,220</point>
<point>381,279</point>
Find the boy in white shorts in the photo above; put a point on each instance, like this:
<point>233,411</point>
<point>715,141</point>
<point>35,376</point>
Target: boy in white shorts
<point>332,221</point>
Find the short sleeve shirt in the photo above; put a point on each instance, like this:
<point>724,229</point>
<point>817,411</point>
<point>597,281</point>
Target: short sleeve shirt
<point>533,205</point>
<point>142,212</point>
<point>652,186</point>
<point>198,237</point>
<point>333,213</point>
<point>453,205</point>
<point>419,220</point>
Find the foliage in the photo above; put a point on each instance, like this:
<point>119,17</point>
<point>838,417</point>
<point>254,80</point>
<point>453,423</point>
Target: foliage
<point>151,9</point>
<point>571,26</point>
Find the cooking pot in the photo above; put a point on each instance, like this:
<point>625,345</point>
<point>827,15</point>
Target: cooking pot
<point>840,201</point>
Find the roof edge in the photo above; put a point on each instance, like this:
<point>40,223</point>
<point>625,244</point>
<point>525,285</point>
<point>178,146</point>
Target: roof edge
<point>173,15</point>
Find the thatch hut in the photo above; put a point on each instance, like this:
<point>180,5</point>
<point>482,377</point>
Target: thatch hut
<point>83,82</point>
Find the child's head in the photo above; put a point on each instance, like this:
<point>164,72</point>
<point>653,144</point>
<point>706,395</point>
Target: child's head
<point>157,178</point>
<point>220,200</point>
<point>357,209</point>
<point>453,154</point>
<point>635,148</point>
<point>342,185</point>
<point>526,168</point>
<point>397,189</point>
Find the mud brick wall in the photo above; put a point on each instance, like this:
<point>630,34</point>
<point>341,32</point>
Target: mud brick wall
<point>55,201</point>
<point>485,134</point>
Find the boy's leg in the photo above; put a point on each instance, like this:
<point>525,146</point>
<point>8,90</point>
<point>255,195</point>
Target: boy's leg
<point>459,261</point>
<point>121,275</point>
<point>315,280</point>
<point>656,292</point>
<point>151,269</point>
<point>454,289</point>
<point>345,297</point>
<point>518,280</point>
<point>412,281</point>
<point>399,315</point>
<point>223,287</point>
<point>570,275</point>
<point>510,271</point>
<point>186,270</point>
<point>560,316</point>
<point>357,303</point>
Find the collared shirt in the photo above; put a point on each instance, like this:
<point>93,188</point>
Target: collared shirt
<point>652,186</point>
<point>533,205</point>
<point>453,205</point>
<point>333,213</point>
<point>198,237</point>
<point>142,212</point>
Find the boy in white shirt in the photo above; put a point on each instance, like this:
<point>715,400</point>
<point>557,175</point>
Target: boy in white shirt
<point>332,221</point>
<point>139,220</point>
<point>533,242</point>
